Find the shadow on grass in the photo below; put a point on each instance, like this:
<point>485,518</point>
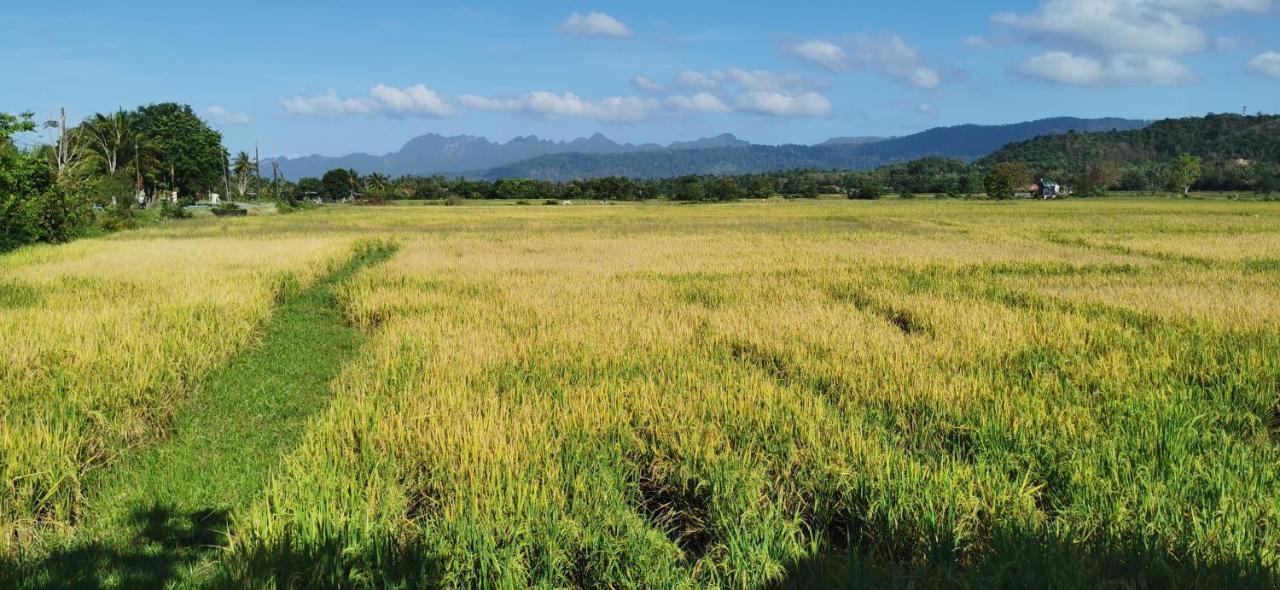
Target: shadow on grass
<point>332,563</point>
<point>1025,562</point>
<point>163,545</point>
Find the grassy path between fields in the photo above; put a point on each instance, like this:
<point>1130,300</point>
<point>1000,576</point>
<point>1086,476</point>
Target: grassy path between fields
<point>160,518</point>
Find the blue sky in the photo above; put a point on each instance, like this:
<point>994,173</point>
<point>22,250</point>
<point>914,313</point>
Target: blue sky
<point>336,77</point>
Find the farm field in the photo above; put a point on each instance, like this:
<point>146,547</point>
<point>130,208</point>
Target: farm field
<point>807,394</point>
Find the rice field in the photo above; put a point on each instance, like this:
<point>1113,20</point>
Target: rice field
<point>928,393</point>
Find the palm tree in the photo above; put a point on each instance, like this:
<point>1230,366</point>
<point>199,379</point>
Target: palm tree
<point>110,138</point>
<point>243,169</point>
<point>68,153</point>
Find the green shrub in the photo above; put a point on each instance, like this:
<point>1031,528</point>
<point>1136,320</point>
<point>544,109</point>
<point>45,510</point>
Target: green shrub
<point>171,211</point>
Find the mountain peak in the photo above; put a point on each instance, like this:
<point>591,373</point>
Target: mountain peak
<point>720,141</point>
<point>533,157</point>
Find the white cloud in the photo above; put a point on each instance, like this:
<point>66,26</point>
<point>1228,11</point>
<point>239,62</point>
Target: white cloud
<point>646,85</point>
<point>746,80</point>
<point>1164,27</point>
<point>702,102</point>
<point>221,116</point>
<point>1122,70</point>
<point>1266,64</point>
<point>414,100</point>
<point>417,100</point>
<point>927,109</point>
<point>760,92</point>
<point>594,24</point>
<point>617,109</point>
<point>769,81</point>
<point>328,104</point>
<point>823,53</point>
<point>893,57</point>
<point>782,104</point>
<point>698,80</point>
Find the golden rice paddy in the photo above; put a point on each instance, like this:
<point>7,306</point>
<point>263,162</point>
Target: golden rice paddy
<point>810,394</point>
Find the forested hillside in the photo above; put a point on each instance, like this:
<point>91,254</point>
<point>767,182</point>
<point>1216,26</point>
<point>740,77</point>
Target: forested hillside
<point>1237,152</point>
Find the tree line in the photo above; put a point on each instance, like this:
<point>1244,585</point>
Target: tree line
<point>98,174</point>
<point>936,176</point>
<point>95,175</point>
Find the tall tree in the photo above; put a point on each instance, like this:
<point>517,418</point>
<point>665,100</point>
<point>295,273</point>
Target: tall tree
<point>1185,172</point>
<point>187,149</point>
<point>1006,178</point>
<point>1098,178</point>
<point>242,168</point>
<point>110,138</point>
<point>339,184</point>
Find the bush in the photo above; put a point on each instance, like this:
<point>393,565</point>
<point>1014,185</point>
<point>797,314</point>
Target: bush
<point>60,216</point>
<point>119,218</point>
<point>1006,179</point>
<point>454,201</point>
<point>866,189</point>
<point>171,211</point>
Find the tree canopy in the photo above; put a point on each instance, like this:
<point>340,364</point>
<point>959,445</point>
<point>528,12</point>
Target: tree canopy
<point>189,154</point>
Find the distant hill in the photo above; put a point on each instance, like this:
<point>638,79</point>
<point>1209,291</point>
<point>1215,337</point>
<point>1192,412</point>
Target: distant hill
<point>437,154</point>
<point>1213,138</point>
<point>966,142</point>
<point>719,141</point>
<point>852,140</point>
<point>598,155</point>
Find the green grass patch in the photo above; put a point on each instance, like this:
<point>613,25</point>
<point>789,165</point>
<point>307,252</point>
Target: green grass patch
<point>159,517</point>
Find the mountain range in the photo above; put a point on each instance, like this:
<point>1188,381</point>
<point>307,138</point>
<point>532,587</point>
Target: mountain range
<point>595,156</point>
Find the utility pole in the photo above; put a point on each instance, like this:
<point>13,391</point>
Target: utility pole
<point>226,182</point>
<point>275,180</point>
<point>137,170</point>
<point>62,139</point>
<point>257,169</point>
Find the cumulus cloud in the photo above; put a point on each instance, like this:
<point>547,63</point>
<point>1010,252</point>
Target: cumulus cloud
<point>823,53</point>
<point>782,104</point>
<point>617,109</point>
<point>892,57</point>
<point>759,92</point>
<point>645,84</point>
<point>1165,27</point>
<point>702,102</point>
<point>698,80</point>
<point>745,79</point>
<point>767,81</point>
<point>1266,64</point>
<point>594,24</point>
<point>927,109</point>
<point>1121,42</point>
<point>416,100</point>
<point>328,104</point>
<point>1065,67</point>
<point>221,116</point>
